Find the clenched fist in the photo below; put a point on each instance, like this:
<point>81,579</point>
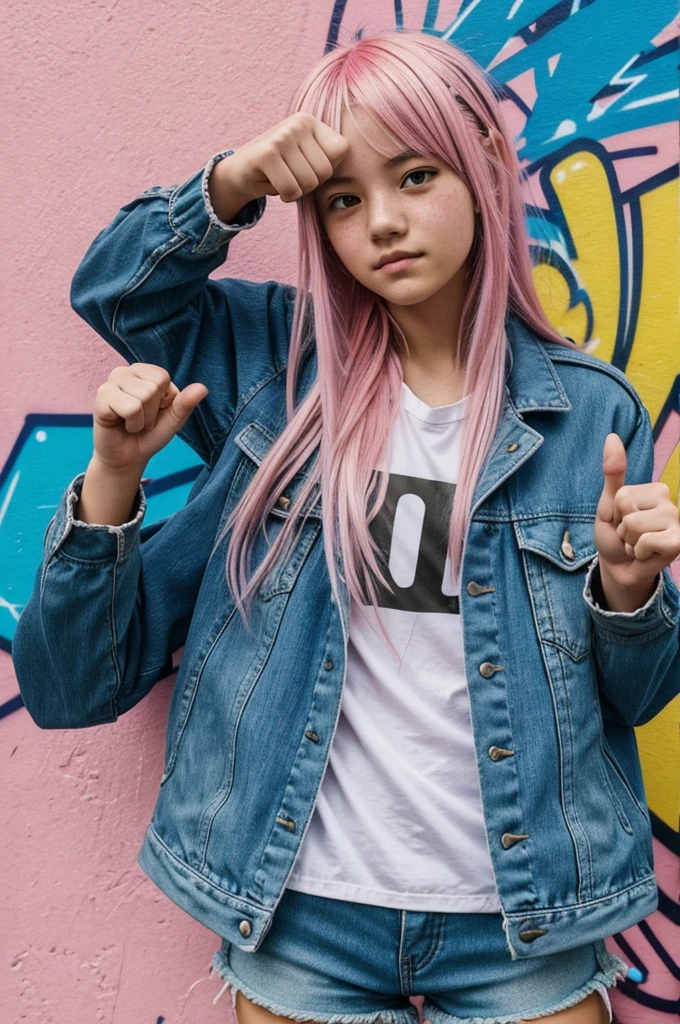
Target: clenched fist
<point>138,410</point>
<point>637,527</point>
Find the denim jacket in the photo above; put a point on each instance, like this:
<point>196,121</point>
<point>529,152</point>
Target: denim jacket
<point>556,682</point>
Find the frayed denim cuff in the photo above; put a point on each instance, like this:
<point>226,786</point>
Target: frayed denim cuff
<point>91,542</point>
<point>191,213</point>
<point>659,612</point>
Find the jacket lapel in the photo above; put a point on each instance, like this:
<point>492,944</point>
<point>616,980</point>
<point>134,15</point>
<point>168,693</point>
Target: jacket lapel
<point>531,385</point>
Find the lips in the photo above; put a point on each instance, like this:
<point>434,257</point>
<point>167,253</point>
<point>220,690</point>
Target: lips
<point>393,257</point>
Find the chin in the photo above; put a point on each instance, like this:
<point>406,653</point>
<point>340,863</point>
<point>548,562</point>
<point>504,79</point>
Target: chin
<point>408,297</point>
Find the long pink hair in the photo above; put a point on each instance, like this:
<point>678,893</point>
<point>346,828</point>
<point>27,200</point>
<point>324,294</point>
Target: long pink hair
<point>436,99</point>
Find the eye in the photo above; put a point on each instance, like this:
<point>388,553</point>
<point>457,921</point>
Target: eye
<point>331,205</point>
<point>411,173</point>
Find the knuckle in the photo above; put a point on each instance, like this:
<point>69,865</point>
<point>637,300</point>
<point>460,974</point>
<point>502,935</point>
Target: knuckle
<point>286,133</point>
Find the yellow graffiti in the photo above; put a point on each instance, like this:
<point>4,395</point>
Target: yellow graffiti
<point>582,189</point>
<point>659,748</point>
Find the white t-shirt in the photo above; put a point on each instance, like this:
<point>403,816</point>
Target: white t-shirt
<point>398,820</point>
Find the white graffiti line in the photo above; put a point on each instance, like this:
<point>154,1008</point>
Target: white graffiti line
<point>8,497</point>
<point>12,608</point>
<point>659,98</point>
<point>460,19</point>
<point>619,78</point>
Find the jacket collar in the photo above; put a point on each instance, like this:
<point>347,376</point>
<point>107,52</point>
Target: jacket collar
<point>532,383</point>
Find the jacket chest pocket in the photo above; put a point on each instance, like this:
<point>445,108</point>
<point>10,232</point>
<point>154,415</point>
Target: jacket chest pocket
<point>255,441</point>
<point>556,550</point>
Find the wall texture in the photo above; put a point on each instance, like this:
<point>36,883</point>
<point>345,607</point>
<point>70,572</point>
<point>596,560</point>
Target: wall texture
<point>107,98</point>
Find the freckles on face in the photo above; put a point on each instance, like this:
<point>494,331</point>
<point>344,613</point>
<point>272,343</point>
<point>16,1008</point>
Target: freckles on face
<point>440,223</point>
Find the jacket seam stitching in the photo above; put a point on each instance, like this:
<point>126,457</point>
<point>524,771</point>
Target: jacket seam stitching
<point>197,874</point>
<point>542,911</point>
<point>112,625</point>
<point>574,358</point>
<point>612,637</point>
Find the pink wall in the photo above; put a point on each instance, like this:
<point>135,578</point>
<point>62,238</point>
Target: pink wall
<point>104,101</point>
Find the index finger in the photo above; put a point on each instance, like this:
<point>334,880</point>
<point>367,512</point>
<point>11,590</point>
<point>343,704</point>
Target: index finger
<point>334,145</point>
<point>151,371</point>
<point>638,497</point>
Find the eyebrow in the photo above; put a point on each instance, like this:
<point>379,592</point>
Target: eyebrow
<point>344,179</point>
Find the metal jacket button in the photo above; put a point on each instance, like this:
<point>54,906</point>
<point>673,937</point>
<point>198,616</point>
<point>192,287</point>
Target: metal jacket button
<point>509,839</point>
<point>244,928</point>
<point>286,822</point>
<point>497,753</point>
<point>487,669</point>
<point>532,933</point>
<point>566,548</point>
<point>512,447</point>
<point>474,589</point>
<point>283,502</point>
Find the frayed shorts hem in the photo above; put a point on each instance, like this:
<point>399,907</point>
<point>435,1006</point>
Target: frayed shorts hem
<point>409,1015</point>
<point>435,1016</point>
<point>612,968</point>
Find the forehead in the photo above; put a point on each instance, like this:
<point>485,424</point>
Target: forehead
<point>372,149</point>
<point>364,132</point>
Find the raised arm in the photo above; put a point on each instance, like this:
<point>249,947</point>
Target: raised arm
<point>144,286</point>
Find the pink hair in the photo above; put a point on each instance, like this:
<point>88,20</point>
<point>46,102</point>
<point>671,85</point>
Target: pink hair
<point>434,98</point>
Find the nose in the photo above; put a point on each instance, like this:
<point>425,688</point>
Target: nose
<point>384,216</point>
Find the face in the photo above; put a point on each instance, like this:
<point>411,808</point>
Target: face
<point>418,205</point>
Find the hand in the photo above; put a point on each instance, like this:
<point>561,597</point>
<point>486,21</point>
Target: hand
<point>637,527</point>
<point>138,410</point>
<point>288,160</point>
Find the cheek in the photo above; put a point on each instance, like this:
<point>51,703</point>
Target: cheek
<point>341,235</point>
<point>345,239</point>
<point>451,215</point>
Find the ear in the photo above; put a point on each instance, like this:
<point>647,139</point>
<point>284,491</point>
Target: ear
<point>495,143</point>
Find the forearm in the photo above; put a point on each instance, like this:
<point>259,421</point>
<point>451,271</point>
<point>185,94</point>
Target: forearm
<point>108,496</point>
<point>636,653</point>
<point>226,198</point>
<point>613,598</point>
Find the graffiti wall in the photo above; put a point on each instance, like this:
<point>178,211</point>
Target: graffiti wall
<point>109,99</point>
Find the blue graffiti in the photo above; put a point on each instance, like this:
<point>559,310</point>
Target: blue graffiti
<point>49,452</point>
<point>594,64</point>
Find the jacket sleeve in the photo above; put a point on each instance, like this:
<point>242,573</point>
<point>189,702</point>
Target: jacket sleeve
<point>109,606</point>
<point>637,654</point>
<point>144,286</point>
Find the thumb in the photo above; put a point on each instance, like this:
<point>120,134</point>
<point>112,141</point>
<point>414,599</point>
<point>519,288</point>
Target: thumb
<point>614,463</point>
<point>192,395</point>
<point>186,401</point>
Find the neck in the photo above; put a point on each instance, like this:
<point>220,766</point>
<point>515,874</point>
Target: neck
<point>432,330</point>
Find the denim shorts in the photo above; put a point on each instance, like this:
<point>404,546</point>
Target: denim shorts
<point>341,962</point>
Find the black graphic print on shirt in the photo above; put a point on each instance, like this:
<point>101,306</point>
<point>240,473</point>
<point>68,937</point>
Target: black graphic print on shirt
<point>411,530</point>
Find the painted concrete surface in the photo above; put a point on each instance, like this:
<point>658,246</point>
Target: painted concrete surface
<point>105,100</point>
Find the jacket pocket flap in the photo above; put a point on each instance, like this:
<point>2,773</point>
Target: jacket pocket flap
<point>256,440</point>
<point>567,540</point>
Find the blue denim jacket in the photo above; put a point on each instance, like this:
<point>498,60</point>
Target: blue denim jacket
<point>556,683</point>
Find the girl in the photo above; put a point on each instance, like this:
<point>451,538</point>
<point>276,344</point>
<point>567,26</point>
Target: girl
<point>450,512</point>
